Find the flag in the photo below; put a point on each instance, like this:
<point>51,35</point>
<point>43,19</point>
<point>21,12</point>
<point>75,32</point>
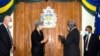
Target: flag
<point>4,2</point>
<point>97,21</point>
<point>8,11</point>
<point>93,2</point>
<point>90,5</point>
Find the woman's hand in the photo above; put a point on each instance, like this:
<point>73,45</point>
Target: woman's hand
<point>44,41</point>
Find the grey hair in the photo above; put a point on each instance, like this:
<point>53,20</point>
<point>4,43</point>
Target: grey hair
<point>5,17</point>
<point>71,24</point>
<point>38,23</point>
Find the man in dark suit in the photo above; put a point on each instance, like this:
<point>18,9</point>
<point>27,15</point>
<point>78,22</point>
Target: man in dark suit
<point>38,40</point>
<point>71,42</point>
<point>90,42</point>
<point>5,37</point>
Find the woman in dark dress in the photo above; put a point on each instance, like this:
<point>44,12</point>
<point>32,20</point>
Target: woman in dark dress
<point>37,40</point>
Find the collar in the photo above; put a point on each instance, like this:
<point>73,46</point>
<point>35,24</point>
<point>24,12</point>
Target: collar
<point>90,34</point>
<point>73,28</point>
<point>5,25</point>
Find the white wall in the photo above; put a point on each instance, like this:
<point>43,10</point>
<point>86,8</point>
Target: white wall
<point>87,19</point>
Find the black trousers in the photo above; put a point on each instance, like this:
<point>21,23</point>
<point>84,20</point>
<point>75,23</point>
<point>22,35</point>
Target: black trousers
<point>86,53</point>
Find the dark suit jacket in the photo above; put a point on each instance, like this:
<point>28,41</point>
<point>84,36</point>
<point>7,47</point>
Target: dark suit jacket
<point>5,42</point>
<point>37,47</point>
<point>71,43</point>
<point>92,46</point>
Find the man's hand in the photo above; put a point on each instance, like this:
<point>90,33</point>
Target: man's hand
<point>60,37</point>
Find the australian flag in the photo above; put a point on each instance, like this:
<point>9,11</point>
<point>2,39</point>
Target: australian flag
<point>97,21</point>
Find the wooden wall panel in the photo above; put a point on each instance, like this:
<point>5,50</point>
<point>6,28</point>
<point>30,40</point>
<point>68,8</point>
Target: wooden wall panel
<point>26,14</point>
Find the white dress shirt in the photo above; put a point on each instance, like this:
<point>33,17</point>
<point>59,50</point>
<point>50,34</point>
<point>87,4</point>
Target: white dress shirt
<point>88,37</point>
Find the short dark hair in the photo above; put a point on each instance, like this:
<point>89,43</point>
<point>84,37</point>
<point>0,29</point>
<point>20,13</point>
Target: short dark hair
<point>90,27</point>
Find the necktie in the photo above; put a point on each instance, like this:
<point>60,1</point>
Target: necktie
<point>86,43</point>
<point>10,36</point>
